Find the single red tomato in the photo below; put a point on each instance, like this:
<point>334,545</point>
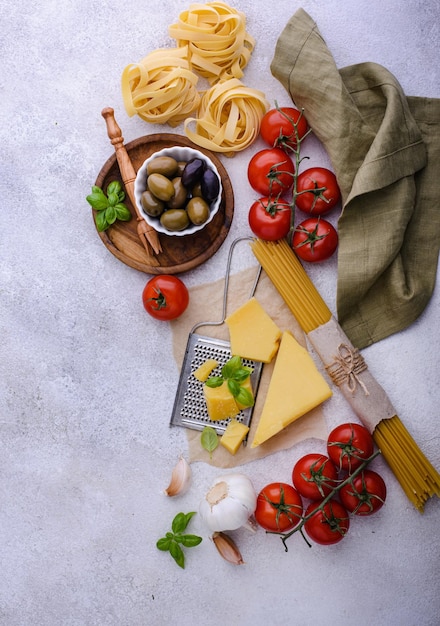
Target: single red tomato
<point>279,507</point>
<point>349,445</point>
<point>269,218</point>
<point>270,172</point>
<point>318,191</point>
<point>364,494</point>
<point>282,127</point>
<point>165,297</point>
<point>315,240</point>
<point>314,476</point>
<point>329,525</point>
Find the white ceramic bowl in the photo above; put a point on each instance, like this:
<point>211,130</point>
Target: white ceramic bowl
<point>180,154</point>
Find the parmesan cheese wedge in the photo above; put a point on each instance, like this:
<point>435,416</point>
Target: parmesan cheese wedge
<point>234,435</point>
<point>296,387</point>
<point>252,332</point>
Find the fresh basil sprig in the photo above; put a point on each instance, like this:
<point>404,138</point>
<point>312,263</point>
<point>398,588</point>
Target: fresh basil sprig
<point>235,373</point>
<point>173,541</point>
<point>110,207</point>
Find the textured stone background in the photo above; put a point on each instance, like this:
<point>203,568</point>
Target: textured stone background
<point>87,379</point>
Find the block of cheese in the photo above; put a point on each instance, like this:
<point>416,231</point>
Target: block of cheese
<point>234,435</point>
<point>252,332</point>
<point>296,387</point>
<point>220,402</point>
<point>204,370</point>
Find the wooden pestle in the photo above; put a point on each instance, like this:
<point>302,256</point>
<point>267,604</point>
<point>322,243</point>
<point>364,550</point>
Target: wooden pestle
<point>147,234</point>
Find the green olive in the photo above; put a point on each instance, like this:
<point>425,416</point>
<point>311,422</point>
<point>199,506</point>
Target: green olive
<point>196,191</point>
<point>180,194</point>
<point>152,205</point>
<point>198,211</point>
<point>165,165</point>
<point>174,219</point>
<point>160,186</point>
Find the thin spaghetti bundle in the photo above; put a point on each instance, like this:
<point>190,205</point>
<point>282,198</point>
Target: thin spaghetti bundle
<point>161,88</point>
<point>218,44</point>
<point>348,370</point>
<point>229,117</point>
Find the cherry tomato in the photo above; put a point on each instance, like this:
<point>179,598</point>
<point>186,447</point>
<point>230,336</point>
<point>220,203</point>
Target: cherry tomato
<point>315,240</point>
<point>270,172</point>
<point>314,476</point>
<point>279,507</point>
<point>278,127</point>
<point>324,195</point>
<point>165,297</point>
<point>365,494</point>
<point>329,525</point>
<point>349,445</point>
<point>269,218</point>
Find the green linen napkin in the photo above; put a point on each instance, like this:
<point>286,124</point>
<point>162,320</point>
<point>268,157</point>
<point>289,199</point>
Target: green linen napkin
<point>385,150</point>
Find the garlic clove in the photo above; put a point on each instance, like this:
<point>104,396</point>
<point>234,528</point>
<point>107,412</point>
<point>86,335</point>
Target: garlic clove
<point>227,548</point>
<point>180,478</point>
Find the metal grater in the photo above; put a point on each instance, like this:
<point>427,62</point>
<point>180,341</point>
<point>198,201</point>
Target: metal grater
<point>189,408</point>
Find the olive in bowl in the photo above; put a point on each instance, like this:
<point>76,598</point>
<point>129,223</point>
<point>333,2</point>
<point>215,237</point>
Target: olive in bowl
<point>178,190</point>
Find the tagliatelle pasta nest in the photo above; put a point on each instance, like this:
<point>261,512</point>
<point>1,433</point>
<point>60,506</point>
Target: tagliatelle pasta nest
<point>229,117</point>
<point>219,45</point>
<point>161,88</point>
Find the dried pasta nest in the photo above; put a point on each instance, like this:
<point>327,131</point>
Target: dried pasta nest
<point>229,117</point>
<point>218,44</point>
<point>161,88</point>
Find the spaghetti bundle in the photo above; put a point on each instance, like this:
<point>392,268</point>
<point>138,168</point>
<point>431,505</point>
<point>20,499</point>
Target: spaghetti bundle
<point>229,117</point>
<point>161,88</point>
<point>218,44</point>
<point>418,478</point>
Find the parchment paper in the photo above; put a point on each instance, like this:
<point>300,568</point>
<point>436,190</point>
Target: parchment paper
<point>206,302</point>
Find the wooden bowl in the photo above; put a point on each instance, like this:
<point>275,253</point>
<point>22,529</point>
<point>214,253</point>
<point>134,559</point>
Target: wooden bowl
<point>179,254</point>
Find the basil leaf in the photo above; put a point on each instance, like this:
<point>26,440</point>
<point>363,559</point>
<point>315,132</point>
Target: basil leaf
<point>209,439</point>
<point>163,544</point>
<point>234,387</point>
<point>179,523</point>
<point>214,381</point>
<point>97,200</point>
<point>177,554</point>
<point>101,221</point>
<point>241,374</point>
<point>113,199</point>
<point>122,213</point>
<point>231,366</point>
<point>114,187</point>
<point>244,397</point>
<point>110,215</point>
<point>189,541</point>
<point>121,195</point>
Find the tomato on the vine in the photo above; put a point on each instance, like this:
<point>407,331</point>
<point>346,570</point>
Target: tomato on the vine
<point>329,524</point>
<point>364,494</point>
<point>278,127</point>
<point>349,445</point>
<point>269,218</point>
<point>165,297</point>
<point>315,240</point>
<point>279,507</point>
<point>271,171</point>
<point>318,191</point>
<point>314,476</point>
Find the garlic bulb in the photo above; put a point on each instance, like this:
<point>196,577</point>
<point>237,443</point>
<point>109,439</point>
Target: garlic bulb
<point>180,478</point>
<point>229,503</point>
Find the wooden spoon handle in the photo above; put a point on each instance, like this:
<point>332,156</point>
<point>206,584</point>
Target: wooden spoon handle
<point>128,175</point>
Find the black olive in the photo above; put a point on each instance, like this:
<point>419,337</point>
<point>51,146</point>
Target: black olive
<point>210,185</point>
<point>193,172</point>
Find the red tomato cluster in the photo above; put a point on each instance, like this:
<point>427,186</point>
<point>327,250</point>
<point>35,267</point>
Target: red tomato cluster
<point>325,490</point>
<point>271,172</point>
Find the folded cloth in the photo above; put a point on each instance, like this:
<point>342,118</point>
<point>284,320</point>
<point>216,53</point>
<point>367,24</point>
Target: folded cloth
<point>385,149</point>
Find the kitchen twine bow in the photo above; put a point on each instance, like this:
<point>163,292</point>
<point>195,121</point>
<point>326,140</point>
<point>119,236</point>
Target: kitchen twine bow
<point>346,367</point>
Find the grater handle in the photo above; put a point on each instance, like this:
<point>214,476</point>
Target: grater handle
<point>226,288</point>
